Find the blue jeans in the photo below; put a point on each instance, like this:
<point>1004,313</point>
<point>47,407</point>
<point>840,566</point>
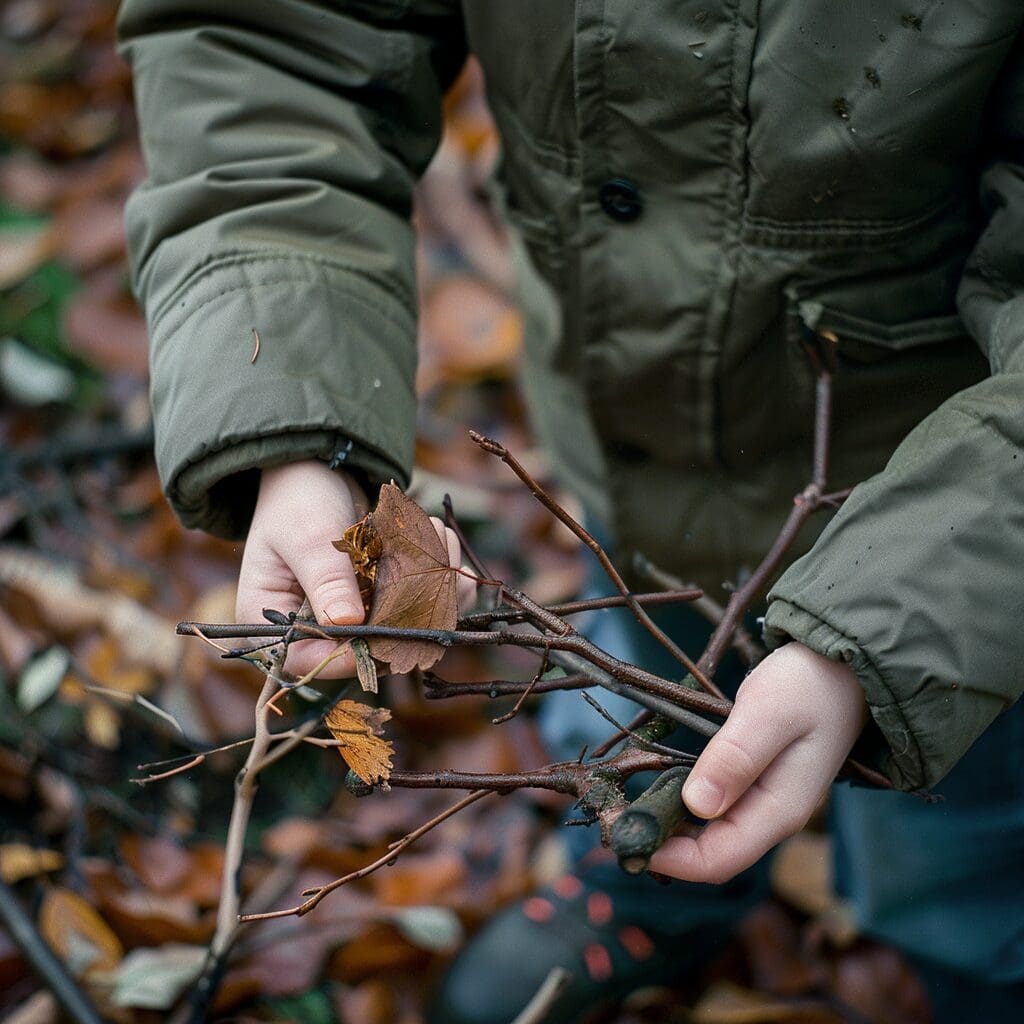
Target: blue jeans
<point>943,882</point>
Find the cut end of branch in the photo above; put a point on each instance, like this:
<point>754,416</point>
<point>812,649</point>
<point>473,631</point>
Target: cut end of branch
<point>634,865</point>
<point>488,444</point>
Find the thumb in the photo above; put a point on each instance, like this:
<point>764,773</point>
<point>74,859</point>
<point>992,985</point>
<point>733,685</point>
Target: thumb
<point>735,757</point>
<point>329,582</point>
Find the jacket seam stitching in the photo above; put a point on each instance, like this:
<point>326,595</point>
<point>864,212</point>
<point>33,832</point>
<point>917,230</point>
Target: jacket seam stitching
<point>351,293</point>
<point>991,428</point>
<point>242,258</point>
<point>870,662</point>
<point>867,226</point>
<point>297,429</point>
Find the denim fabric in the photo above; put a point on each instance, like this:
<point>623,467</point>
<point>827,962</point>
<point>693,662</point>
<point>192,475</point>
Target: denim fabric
<point>943,881</point>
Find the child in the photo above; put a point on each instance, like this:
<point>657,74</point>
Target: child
<point>696,185</point>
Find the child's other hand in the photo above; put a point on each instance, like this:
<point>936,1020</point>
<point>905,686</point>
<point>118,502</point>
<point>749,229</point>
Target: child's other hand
<point>302,508</point>
<point>761,776</point>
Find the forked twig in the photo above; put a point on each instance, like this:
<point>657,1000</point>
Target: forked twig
<point>498,449</point>
<point>316,895</point>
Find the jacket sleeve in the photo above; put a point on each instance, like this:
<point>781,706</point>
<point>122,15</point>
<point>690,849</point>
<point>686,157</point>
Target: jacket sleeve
<point>918,582</point>
<point>282,139</point>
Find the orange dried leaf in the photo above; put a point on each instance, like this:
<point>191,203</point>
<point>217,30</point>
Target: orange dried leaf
<point>358,729</point>
<point>362,545</point>
<point>19,861</point>
<point>415,585</point>
<point>77,934</point>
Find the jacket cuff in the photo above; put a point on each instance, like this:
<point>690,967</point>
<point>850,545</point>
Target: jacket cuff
<point>900,759</point>
<point>217,494</point>
<point>331,379</point>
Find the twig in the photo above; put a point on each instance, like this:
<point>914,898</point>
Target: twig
<point>649,820</point>
<point>234,848</point>
<point>642,742</point>
<point>588,654</point>
<point>660,705</point>
<point>570,778</point>
<point>511,615</point>
<point>43,961</point>
<point>822,352</point>
<point>537,1009</point>
<point>498,449</point>
<point>150,765</point>
<point>316,895</point>
<point>443,689</point>
<point>468,552</point>
<point>187,766</point>
<point>749,649</point>
<point>530,688</point>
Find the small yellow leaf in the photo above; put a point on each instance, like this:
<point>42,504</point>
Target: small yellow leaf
<point>358,729</point>
<point>77,933</point>
<point>19,860</point>
<point>102,725</point>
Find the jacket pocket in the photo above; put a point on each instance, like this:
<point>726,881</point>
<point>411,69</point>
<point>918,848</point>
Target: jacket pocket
<point>888,379</point>
<point>866,341</point>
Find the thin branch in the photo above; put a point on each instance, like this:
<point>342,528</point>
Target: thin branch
<point>517,707</point>
<point>569,778</point>
<point>660,705</point>
<point>150,765</point>
<point>187,766</point>
<point>643,718</point>
<point>479,567</point>
<point>637,679</point>
<point>443,689</point>
<point>642,742</point>
<point>316,895</point>
<point>479,620</point>
<point>806,502</point>
<point>498,449</point>
<point>537,1009</point>
<point>227,926</point>
<point>749,649</point>
<point>43,961</point>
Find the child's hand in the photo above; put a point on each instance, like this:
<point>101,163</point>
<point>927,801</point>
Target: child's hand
<point>761,776</point>
<point>301,510</point>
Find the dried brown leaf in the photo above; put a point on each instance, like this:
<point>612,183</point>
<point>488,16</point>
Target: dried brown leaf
<point>361,543</point>
<point>415,585</point>
<point>64,603</point>
<point>359,728</point>
<point>77,933</point>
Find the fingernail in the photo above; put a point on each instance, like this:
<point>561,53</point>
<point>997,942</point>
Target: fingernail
<point>703,797</point>
<point>342,614</point>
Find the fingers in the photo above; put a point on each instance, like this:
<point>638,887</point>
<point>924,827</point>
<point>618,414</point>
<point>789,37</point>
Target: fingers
<point>751,738</point>
<point>465,587</point>
<point>776,806</point>
<point>301,510</point>
<point>761,776</point>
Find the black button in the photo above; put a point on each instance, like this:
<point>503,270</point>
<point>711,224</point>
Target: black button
<point>620,200</point>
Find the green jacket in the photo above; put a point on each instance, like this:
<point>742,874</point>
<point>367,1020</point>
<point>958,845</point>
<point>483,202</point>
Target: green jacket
<point>696,184</point>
